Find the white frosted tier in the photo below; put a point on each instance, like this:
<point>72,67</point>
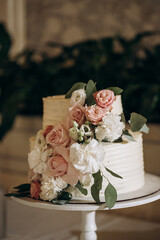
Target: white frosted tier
<point>125,159</point>
<point>55,109</point>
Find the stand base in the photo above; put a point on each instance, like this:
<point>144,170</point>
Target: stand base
<point>88,226</point>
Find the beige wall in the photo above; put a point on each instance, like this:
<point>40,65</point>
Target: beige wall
<point>3,10</point>
<point>70,21</point>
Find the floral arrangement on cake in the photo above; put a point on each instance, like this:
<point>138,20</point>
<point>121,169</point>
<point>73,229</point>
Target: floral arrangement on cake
<point>69,154</point>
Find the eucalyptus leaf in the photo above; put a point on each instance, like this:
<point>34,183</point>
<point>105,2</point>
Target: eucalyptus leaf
<point>110,196</point>
<point>97,186</point>
<point>81,189</point>
<point>123,119</point>
<point>64,196</point>
<point>116,90</point>
<point>60,202</point>
<point>23,187</point>
<point>118,140</point>
<point>144,129</point>
<point>76,86</point>
<point>137,121</point>
<point>18,194</point>
<point>127,135</point>
<point>113,173</point>
<point>90,89</point>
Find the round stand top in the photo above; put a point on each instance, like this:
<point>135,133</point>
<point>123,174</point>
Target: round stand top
<point>150,192</point>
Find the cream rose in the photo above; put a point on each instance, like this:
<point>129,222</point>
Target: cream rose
<point>87,157</point>
<point>58,136</point>
<point>78,97</point>
<point>104,98</point>
<point>95,114</point>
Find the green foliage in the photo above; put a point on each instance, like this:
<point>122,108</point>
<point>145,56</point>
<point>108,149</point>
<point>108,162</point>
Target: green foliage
<point>90,89</point>
<point>116,90</point>
<point>76,86</point>
<point>24,81</point>
<point>81,188</point>
<point>97,186</point>
<point>137,121</point>
<point>113,173</point>
<point>110,196</point>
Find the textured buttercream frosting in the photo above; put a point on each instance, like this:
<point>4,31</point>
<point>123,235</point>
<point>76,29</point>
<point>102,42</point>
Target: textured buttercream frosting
<point>55,109</point>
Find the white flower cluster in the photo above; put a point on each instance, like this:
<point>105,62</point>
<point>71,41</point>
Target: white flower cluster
<point>87,157</point>
<point>50,187</point>
<point>82,134</point>
<point>110,128</point>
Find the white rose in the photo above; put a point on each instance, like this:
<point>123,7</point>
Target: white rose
<point>50,187</point>
<point>87,157</point>
<point>40,141</point>
<point>78,97</point>
<point>35,161</point>
<point>110,128</point>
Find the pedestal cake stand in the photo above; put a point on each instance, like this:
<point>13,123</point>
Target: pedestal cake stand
<point>150,192</point>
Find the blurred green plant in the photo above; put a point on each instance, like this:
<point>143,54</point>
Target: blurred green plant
<point>112,61</point>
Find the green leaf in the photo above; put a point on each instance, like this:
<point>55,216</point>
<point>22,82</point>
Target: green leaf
<point>123,119</point>
<point>97,186</point>
<point>64,196</point>
<point>144,129</point>
<point>116,90</point>
<point>76,86</point>
<point>18,194</point>
<point>60,202</point>
<point>118,140</point>
<point>110,196</point>
<point>90,89</point>
<point>113,173</point>
<point>137,121</point>
<point>23,187</point>
<point>127,135</point>
<point>81,189</point>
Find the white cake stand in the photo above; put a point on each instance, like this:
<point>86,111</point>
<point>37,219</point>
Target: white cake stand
<point>150,192</point>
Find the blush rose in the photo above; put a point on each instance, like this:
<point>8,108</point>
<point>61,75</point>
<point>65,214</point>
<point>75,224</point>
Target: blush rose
<point>58,136</point>
<point>76,113</point>
<point>95,113</point>
<point>57,166</point>
<point>104,98</point>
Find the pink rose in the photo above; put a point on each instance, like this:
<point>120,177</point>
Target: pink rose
<point>104,98</point>
<point>58,136</point>
<point>35,189</point>
<point>95,113</point>
<point>62,167</point>
<point>57,166</point>
<point>47,130</point>
<point>75,113</point>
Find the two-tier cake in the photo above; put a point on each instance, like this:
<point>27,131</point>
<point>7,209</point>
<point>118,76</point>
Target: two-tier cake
<point>84,150</point>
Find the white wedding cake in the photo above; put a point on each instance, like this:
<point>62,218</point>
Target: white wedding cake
<point>84,150</point>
